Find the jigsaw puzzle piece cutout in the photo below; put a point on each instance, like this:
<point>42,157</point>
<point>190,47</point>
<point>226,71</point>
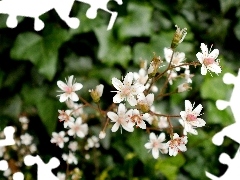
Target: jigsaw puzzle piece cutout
<point>101,4</point>
<point>36,8</point>
<point>233,167</point>
<point>44,170</point>
<point>9,138</point>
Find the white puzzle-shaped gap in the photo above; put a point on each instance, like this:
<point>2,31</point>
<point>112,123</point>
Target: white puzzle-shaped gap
<point>36,8</point>
<point>230,131</point>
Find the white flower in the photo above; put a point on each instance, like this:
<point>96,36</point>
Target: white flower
<point>163,123</point>
<point>207,60</point>
<point>23,119</point>
<point>177,57</point>
<point>59,138</point>
<point>183,87</point>
<point>141,77</point>
<point>145,102</point>
<point>70,158</point>
<point>76,108</point>
<point>121,118</point>
<point>102,135</point>
<point>190,118</point>
<point>177,144</point>
<point>65,116</point>
<point>61,176</point>
<point>26,139</point>
<point>78,128</point>
<point>92,142</point>
<point>137,118</point>
<point>171,76</point>
<point>127,90</point>
<point>73,146</point>
<point>188,76</point>
<point>155,143</point>
<point>69,89</point>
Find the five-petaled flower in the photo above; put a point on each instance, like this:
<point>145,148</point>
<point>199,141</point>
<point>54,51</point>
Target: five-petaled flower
<point>207,59</point>
<point>59,138</point>
<point>121,118</point>
<point>127,90</point>
<point>156,144</point>
<point>190,118</point>
<point>77,128</point>
<point>69,89</point>
<point>177,144</point>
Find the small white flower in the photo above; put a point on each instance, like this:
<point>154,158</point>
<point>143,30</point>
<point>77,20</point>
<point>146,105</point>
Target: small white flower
<point>177,144</point>
<point>141,77</point>
<point>73,146</point>
<point>78,128</point>
<point>23,119</point>
<point>155,143</point>
<point>171,76</point>
<point>190,118</point>
<point>69,89</point>
<point>92,142</point>
<point>145,102</point>
<point>177,57</point>
<point>70,158</point>
<point>65,116</point>
<point>26,139</point>
<point>183,87</point>
<point>207,59</point>
<point>121,118</point>
<point>127,90</point>
<point>163,123</point>
<point>102,135</point>
<point>61,176</point>
<point>59,138</point>
<point>188,76</point>
<point>137,118</point>
<point>77,109</point>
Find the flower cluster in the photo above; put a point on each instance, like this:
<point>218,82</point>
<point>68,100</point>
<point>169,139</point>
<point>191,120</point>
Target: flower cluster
<point>134,104</point>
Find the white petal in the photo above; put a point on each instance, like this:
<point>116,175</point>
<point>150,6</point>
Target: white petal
<point>121,109</point>
<point>131,100</point>
<point>203,70</point>
<point>161,137</point>
<point>142,125</point>
<point>69,82</point>
<point>204,49</point>
<point>148,145</point>
<point>188,105</point>
<point>128,127</point>
<point>167,54</point>
<point>63,97</point>
<point>128,79</point>
<point>175,135</point>
<point>150,99</point>
<point>113,116</point>
<point>115,127</point>
<point>183,115</point>
<point>62,85</point>
<point>215,68</point>
<point>77,86</point>
<point>74,96</point>
<point>182,147</point>
<point>152,136</point>
<point>141,97</point>
<point>200,57</point>
<point>155,153</point>
<point>118,98</point>
<point>117,84</point>
<point>214,54</point>
<point>99,89</point>
<point>197,110</point>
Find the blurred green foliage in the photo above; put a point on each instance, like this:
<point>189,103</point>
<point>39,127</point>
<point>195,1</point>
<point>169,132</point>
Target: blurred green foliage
<point>32,62</point>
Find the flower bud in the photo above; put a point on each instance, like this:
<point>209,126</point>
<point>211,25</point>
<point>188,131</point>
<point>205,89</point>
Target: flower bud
<point>97,93</point>
<point>154,65</point>
<point>102,135</point>
<point>183,87</point>
<point>178,36</point>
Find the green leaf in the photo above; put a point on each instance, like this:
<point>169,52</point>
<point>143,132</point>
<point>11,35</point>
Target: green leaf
<point>138,21</point>
<point>111,51</point>
<point>170,166</point>
<point>41,51</point>
<point>48,112</point>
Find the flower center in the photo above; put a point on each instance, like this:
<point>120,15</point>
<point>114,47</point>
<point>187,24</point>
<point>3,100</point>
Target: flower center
<point>126,91</point>
<point>68,90</point>
<point>191,117</point>
<point>136,118</point>
<point>208,61</point>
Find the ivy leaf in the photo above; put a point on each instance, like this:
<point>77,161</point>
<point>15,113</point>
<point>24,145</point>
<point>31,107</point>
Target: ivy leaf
<point>42,51</point>
<point>137,23</point>
<point>111,51</point>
